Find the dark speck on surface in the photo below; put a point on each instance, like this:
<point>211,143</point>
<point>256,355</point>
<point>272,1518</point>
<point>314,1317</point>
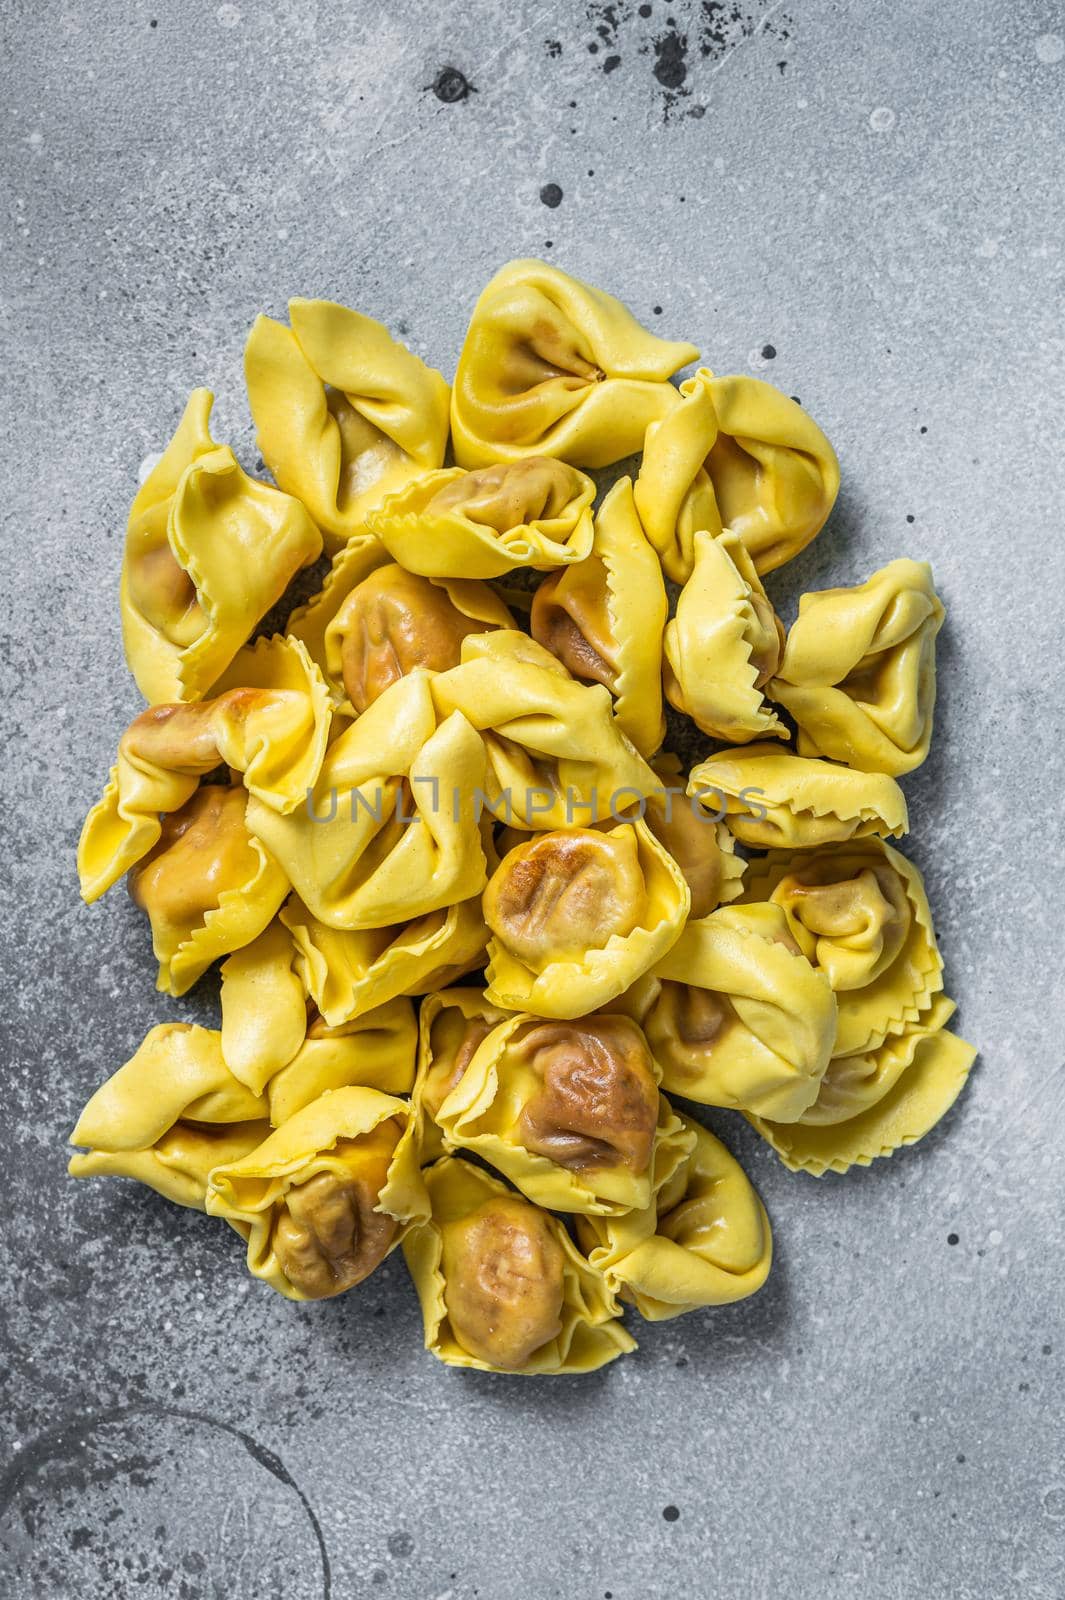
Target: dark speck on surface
<point>553,47</point>
<point>551,195</point>
<point>923,429</point>
<point>645,11</point>
<point>450,85</point>
<point>769,352</point>
<point>611,63</point>
<point>671,50</point>
<point>910,517</point>
<point>657,310</point>
<point>1048,1349</point>
<point>593,49</point>
<point>154,22</point>
<point>952,1238</point>
<point>796,399</point>
<point>670,1513</point>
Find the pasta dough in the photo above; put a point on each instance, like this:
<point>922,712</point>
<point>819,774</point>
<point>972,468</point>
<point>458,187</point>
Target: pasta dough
<point>604,618</point>
<point>168,1116</point>
<point>455,524</point>
<point>344,416</point>
<point>724,644</point>
<point>346,972</point>
<point>736,453</point>
<point>555,754</point>
<point>552,366</point>
<point>859,671</point>
<point>769,797</point>
<point>860,913</point>
<point>704,1241</point>
<point>502,1286</point>
<point>272,730</point>
<point>576,917</point>
<point>208,552</point>
<point>391,829</point>
<point>568,1111</point>
<point>327,1196</point>
<point>742,1019</point>
<point>874,1103</point>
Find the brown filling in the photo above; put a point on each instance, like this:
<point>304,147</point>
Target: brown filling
<point>546,354</point>
<point>563,893</point>
<point>203,849</point>
<point>598,1101</point>
<point>164,594</point>
<point>503,1273</point>
<point>393,622</point>
<point>327,1235</point>
<point>454,1040</point>
<point>568,618</point>
<point>510,495</point>
<point>690,836</point>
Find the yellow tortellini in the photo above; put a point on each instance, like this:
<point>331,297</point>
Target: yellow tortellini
<point>350,566</point>
<point>874,1103</point>
<point>167,1117</point>
<point>576,916</point>
<point>343,414</point>
<point>555,754</point>
<point>736,453</point>
<point>376,1050</point>
<point>348,971</point>
<point>554,367</point>
<point>604,618</point>
<point>271,727</point>
<point>859,671</point>
<point>860,914</point>
<point>742,1019</point>
<point>391,829</point>
<point>185,1079</point>
<point>769,797</point>
<point>394,621</point>
<point>327,1195</point>
<point>502,1286</point>
<point>569,1111</point>
<point>724,644</point>
<point>207,885</point>
<point>476,925</point>
<point>535,512</point>
<point>704,1240</point>
<point>208,552</point>
<point>452,1024</point>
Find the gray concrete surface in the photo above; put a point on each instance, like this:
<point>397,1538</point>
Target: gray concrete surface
<point>872,192</point>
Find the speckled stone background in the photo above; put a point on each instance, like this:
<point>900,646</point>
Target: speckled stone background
<point>861,202</point>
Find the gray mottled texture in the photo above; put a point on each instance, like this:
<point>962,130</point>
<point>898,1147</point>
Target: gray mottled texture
<point>874,191</point>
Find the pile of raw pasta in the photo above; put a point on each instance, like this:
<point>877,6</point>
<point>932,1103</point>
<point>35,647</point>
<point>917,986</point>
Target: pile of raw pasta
<point>476,925</point>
